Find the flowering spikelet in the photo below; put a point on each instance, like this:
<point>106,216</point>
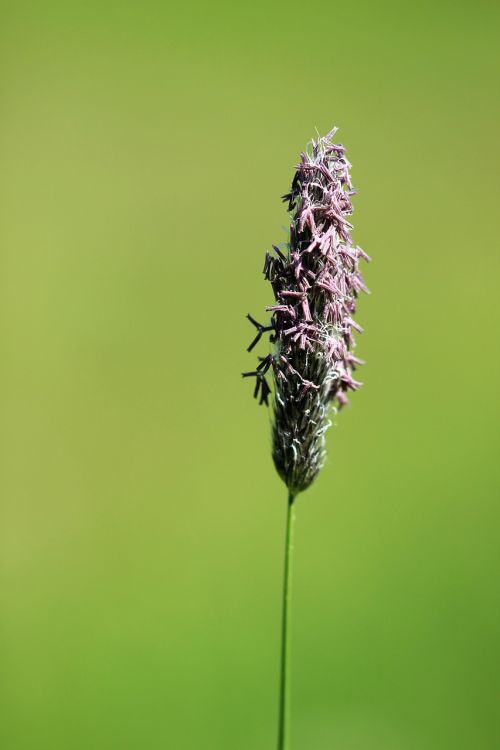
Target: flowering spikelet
<point>316,280</point>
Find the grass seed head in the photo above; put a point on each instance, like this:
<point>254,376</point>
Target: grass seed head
<point>316,280</point>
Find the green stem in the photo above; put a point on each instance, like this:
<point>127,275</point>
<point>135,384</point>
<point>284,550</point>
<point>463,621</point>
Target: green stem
<point>284,713</point>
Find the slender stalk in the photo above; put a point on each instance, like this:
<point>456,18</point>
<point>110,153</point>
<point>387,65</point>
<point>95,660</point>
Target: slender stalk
<point>284,711</point>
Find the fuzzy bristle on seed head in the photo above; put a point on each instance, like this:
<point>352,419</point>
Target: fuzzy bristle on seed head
<point>316,280</point>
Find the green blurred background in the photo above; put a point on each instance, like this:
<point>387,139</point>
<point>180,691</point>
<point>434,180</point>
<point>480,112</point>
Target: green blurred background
<point>144,150</point>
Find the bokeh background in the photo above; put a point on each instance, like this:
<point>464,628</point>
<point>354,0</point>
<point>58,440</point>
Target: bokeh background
<point>144,150</point>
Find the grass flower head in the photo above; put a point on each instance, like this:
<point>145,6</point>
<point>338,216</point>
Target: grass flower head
<point>315,278</point>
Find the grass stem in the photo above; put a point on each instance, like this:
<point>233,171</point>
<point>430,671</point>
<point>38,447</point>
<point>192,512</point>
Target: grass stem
<point>284,707</point>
